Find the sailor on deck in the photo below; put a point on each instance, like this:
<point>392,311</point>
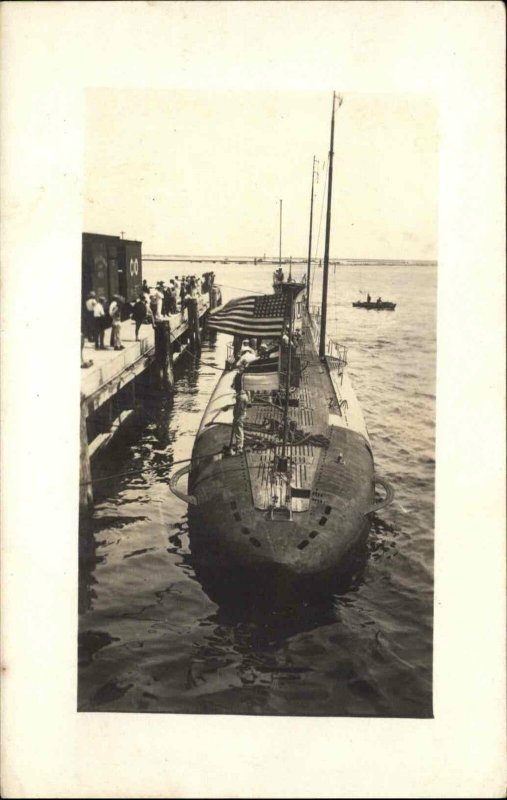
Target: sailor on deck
<point>238,421</point>
<point>246,356</point>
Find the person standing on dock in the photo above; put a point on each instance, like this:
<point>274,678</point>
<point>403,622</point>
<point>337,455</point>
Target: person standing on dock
<point>99,318</point>
<point>166,304</point>
<point>139,313</point>
<point>183,292</point>
<point>173,298</point>
<point>177,286</point>
<point>115,314</point>
<point>90,304</point>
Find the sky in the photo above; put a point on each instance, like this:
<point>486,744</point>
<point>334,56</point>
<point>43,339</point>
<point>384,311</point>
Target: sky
<point>202,172</point>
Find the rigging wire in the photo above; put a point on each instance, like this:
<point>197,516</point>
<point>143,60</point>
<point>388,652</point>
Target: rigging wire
<point>320,224</point>
<point>238,288</point>
<point>145,468</point>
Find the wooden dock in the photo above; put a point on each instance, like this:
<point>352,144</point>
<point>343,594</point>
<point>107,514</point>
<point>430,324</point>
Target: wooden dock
<point>108,386</point>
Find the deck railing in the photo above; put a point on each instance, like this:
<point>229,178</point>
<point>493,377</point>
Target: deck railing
<point>336,357</point>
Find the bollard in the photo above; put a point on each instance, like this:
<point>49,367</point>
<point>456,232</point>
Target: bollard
<point>163,352</point>
<point>193,325</point>
<point>85,472</point>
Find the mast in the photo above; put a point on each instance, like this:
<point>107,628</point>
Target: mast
<point>310,243</point>
<point>280,240</point>
<point>322,345</point>
<point>287,378</point>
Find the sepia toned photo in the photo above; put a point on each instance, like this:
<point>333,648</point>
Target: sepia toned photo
<point>257,435</point>
<point>253,399</point>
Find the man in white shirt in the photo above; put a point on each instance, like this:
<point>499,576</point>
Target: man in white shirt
<point>246,356</point>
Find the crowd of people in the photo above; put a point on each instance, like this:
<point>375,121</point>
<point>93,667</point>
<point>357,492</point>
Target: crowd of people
<point>164,298</point>
<point>153,303</point>
<point>100,315</point>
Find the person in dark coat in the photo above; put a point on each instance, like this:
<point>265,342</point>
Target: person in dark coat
<point>166,303</point>
<point>173,300</point>
<point>139,313</point>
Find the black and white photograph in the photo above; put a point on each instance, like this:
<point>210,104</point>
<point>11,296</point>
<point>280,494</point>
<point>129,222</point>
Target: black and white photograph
<point>253,399</point>
<point>259,275</point>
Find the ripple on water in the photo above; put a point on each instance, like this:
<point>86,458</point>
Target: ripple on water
<point>150,638</point>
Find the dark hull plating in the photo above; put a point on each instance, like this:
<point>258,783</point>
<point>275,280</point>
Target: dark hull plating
<point>229,530</point>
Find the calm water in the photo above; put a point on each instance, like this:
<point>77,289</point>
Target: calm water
<point>150,637</point>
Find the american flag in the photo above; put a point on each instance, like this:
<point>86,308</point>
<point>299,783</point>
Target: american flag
<point>251,316</point>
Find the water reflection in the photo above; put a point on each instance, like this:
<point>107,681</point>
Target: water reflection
<point>161,631</point>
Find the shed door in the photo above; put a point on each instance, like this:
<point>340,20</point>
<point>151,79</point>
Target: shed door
<point>100,282</point>
<point>112,269</point>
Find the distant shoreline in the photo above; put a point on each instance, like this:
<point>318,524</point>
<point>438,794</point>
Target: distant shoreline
<point>374,262</point>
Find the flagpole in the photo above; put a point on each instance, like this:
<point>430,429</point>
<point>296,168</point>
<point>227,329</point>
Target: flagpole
<point>287,380</point>
<point>280,239</point>
<point>323,320</point>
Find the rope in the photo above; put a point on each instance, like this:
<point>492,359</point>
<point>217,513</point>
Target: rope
<point>141,469</point>
<point>264,446</point>
<point>238,288</point>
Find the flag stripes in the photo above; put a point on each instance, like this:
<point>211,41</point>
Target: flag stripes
<point>250,316</point>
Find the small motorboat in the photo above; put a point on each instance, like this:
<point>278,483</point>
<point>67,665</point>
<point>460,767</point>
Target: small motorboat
<point>382,305</point>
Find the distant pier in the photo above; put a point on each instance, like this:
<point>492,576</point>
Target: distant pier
<point>349,262</point>
<point>109,385</point>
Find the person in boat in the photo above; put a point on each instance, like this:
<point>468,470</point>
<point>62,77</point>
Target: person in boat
<point>368,298</point>
<point>379,300</point>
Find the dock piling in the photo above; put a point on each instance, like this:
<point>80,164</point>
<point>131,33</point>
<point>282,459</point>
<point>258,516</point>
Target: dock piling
<point>193,325</point>
<point>85,473</point>
<point>163,351</point>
